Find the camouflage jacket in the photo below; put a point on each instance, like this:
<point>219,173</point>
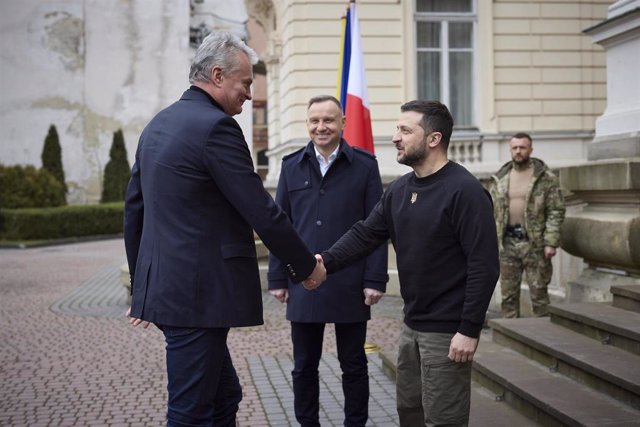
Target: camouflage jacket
<point>544,211</point>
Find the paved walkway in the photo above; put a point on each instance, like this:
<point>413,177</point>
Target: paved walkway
<point>69,358</point>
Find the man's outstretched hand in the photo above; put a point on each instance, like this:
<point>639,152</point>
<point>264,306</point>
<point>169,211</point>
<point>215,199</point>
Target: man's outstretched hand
<point>318,275</point>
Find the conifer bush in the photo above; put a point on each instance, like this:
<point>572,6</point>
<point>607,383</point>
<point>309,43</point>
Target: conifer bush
<point>52,157</point>
<point>117,171</point>
<point>28,187</point>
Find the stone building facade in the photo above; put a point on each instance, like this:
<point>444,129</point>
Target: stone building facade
<point>503,66</point>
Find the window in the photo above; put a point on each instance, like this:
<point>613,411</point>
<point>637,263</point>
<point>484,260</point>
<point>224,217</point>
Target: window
<point>445,58</point>
<point>263,164</point>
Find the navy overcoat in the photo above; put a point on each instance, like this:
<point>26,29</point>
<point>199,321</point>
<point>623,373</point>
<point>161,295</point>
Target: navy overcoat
<point>192,204</point>
<point>322,209</point>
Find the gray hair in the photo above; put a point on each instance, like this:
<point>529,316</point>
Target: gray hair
<point>218,49</point>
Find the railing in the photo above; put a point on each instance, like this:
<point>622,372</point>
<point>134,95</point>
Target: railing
<point>466,151</point>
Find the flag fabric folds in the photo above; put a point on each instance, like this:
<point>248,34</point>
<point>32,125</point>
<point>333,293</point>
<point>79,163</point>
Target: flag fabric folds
<point>352,84</point>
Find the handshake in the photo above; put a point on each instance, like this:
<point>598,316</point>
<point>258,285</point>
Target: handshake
<point>318,275</point>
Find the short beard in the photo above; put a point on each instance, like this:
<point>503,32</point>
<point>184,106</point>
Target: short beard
<point>522,165</point>
<point>415,158</point>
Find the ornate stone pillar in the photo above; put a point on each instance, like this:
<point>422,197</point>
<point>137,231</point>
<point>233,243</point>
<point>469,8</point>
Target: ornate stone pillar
<point>603,227</point>
<point>273,101</point>
<point>618,129</point>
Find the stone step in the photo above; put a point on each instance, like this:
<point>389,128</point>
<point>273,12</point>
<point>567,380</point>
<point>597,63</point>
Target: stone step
<point>490,410</point>
<point>600,321</point>
<point>626,297</point>
<point>606,368</point>
<point>549,398</point>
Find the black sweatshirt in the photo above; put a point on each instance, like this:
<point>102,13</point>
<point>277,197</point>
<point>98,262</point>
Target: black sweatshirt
<point>444,234</point>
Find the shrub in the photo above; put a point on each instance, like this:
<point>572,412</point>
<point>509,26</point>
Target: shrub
<point>117,171</point>
<point>27,187</point>
<point>61,222</point>
<point>52,157</point>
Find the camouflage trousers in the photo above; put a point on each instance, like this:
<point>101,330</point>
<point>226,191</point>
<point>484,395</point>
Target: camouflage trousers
<point>518,257</point>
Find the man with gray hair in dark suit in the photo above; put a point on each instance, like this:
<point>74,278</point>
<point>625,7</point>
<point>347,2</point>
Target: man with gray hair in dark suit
<point>191,208</point>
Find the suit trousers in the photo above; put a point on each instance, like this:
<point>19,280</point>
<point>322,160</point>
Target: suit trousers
<point>432,390</point>
<point>307,349</point>
<point>203,385</point>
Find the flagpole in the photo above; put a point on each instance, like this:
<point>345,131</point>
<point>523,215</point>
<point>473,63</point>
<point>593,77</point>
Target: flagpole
<point>345,60</point>
<point>343,24</point>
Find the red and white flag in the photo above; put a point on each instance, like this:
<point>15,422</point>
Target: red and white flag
<point>357,131</point>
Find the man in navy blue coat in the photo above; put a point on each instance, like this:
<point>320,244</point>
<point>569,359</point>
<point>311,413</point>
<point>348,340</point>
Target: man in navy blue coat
<point>325,188</point>
<point>191,208</point>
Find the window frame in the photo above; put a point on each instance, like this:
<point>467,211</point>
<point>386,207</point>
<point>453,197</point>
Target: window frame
<point>444,18</point>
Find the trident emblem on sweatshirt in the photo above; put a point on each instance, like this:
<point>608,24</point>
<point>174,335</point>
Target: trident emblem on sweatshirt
<point>414,197</point>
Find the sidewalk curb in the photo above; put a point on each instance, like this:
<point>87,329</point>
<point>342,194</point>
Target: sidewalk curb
<point>28,244</point>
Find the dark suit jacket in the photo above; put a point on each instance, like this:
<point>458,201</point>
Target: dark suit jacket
<point>322,209</point>
<point>191,204</point>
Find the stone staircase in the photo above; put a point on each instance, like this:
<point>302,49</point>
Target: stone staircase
<point>578,367</point>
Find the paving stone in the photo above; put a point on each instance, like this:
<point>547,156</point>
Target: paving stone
<point>68,349</point>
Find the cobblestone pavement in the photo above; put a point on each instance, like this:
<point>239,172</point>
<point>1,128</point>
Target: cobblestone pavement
<point>69,358</point>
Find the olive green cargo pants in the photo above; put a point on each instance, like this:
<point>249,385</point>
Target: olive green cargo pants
<point>432,390</point>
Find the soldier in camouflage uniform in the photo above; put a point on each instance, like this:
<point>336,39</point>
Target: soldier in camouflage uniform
<point>529,211</point>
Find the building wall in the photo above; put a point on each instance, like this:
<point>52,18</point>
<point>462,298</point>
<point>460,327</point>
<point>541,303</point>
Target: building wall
<point>304,63</point>
<point>88,68</point>
<point>91,68</point>
<point>548,75</point>
<point>535,72</point>
<point>547,79</point>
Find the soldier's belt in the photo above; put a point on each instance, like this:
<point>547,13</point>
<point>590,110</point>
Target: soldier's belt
<point>516,231</point>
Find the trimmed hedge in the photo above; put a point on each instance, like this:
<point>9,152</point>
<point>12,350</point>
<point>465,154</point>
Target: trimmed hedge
<point>61,222</point>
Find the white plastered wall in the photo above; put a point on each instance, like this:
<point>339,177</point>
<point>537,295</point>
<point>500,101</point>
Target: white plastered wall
<point>89,68</point>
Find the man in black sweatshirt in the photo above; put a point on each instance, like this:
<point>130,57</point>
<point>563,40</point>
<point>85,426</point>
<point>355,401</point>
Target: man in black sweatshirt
<point>440,221</point>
